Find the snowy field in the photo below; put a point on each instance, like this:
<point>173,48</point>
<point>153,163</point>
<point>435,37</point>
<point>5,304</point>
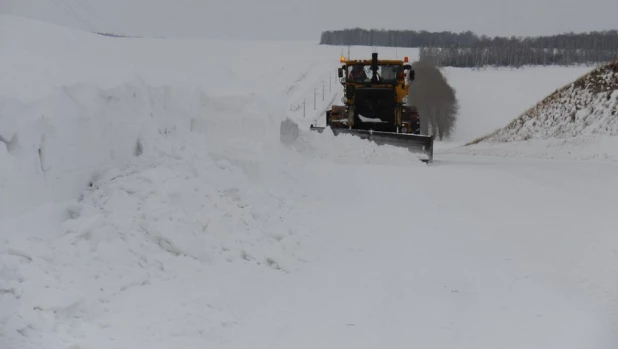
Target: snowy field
<point>146,202</point>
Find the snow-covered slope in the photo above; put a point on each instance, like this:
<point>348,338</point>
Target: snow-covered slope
<point>488,97</point>
<point>585,107</point>
<point>147,203</point>
<point>73,104</point>
<point>579,120</point>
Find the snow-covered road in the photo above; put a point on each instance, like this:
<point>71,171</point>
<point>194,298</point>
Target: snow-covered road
<point>450,256</point>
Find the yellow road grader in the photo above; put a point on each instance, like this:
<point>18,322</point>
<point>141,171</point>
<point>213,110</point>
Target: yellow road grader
<point>375,105</point>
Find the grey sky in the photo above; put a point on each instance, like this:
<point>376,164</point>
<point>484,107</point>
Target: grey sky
<point>306,19</point>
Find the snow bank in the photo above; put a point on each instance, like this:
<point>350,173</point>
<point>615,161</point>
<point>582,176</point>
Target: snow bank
<point>587,107</point>
<point>57,145</point>
<point>54,148</point>
<point>489,98</point>
<point>172,211</point>
<point>577,121</point>
<point>73,104</point>
<point>140,189</point>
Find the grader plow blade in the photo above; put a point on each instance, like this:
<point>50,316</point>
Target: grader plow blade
<point>413,142</point>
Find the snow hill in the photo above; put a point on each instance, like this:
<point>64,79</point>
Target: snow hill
<point>146,202</point>
<point>578,120</point>
<point>489,98</point>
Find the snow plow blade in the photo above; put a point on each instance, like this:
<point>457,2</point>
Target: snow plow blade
<point>413,142</point>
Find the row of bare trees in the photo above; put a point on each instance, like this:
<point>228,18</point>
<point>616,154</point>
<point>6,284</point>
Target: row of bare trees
<point>467,49</point>
<point>398,38</point>
<point>513,54</point>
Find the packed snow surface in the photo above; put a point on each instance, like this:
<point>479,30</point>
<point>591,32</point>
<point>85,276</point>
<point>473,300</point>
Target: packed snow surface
<point>146,202</point>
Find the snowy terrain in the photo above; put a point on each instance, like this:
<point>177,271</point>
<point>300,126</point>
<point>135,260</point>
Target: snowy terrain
<point>492,97</point>
<point>146,202</point>
<point>579,120</point>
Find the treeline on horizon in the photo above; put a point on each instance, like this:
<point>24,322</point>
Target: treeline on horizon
<point>467,49</point>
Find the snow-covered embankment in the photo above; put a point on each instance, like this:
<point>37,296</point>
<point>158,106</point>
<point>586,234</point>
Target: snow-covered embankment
<point>578,121</point>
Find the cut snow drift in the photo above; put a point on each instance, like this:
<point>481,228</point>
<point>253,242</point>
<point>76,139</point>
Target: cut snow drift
<point>490,98</point>
<point>60,143</point>
<point>586,108</point>
<point>578,121</point>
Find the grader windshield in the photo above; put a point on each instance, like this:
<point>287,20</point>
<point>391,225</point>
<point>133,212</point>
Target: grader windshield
<point>386,73</point>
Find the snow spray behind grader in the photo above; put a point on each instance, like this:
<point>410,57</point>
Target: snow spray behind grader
<point>375,105</point>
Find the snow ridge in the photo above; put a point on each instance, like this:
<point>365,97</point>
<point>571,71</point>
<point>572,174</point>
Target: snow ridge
<point>586,108</point>
<point>53,147</point>
<point>174,212</point>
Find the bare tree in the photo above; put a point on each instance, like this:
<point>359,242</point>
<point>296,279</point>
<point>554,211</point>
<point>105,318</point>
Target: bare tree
<point>435,99</point>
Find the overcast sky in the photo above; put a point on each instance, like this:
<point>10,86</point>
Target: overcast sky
<point>306,19</point>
